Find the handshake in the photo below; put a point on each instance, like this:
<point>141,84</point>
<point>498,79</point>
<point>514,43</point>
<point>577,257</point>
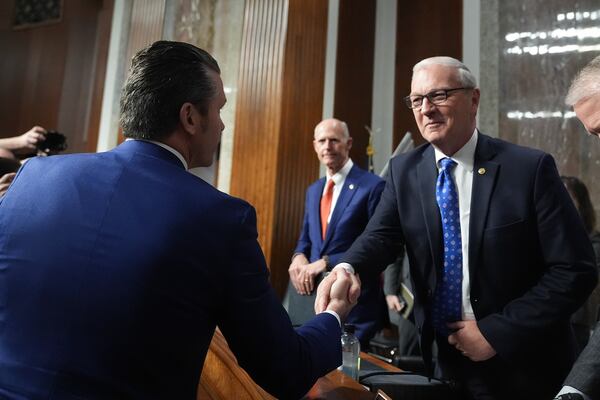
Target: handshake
<point>338,292</point>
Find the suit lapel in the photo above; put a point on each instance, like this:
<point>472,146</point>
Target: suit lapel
<point>315,215</point>
<point>348,190</point>
<point>427,178</point>
<point>484,178</point>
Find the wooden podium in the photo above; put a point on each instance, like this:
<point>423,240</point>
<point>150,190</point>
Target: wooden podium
<point>222,378</point>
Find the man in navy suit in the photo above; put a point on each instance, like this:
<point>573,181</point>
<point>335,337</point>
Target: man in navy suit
<point>336,211</point>
<point>584,96</point>
<point>116,267</point>
<point>499,258</point>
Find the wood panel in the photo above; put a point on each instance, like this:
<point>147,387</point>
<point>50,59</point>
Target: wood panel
<point>280,93</point>
<point>223,378</point>
<point>51,72</point>
<point>354,72</point>
<point>424,29</point>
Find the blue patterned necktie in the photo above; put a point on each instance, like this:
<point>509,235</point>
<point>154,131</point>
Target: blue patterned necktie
<point>448,293</point>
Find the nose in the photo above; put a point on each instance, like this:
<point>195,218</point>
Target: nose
<point>427,106</point>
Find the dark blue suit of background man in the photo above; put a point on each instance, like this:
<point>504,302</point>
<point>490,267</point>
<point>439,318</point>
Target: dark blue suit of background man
<point>527,262</point>
<point>116,267</point>
<point>324,238</point>
<point>584,96</point>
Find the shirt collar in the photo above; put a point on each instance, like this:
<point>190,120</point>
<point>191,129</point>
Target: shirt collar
<point>166,147</point>
<point>465,156</point>
<point>339,176</point>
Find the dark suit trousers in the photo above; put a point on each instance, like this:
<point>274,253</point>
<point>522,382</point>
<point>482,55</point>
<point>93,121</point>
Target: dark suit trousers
<point>493,379</point>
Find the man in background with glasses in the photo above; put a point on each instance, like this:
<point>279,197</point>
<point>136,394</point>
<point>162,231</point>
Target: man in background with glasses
<point>584,96</point>
<point>498,256</point>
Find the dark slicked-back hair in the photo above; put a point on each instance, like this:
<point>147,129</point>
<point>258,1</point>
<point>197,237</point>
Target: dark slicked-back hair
<point>581,198</point>
<point>163,77</point>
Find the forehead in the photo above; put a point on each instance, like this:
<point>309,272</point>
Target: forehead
<point>329,130</point>
<point>434,77</point>
<point>588,112</point>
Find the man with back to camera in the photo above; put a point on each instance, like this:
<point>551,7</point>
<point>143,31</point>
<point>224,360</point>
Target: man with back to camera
<point>336,211</point>
<point>116,267</point>
<point>498,256</point>
<point>584,95</point>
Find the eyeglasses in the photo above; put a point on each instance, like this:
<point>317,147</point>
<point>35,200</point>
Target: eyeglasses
<point>435,97</point>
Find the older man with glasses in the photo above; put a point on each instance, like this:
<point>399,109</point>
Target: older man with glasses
<point>498,256</point>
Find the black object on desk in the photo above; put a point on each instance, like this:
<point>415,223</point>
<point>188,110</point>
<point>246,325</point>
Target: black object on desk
<point>403,385</point>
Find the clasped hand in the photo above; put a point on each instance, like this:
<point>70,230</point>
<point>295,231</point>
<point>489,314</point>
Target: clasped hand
<point>338,292</point>
<point>303,274</point>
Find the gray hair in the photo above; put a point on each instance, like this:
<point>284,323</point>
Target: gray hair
<point>585,84</point>
<point>466,77</point>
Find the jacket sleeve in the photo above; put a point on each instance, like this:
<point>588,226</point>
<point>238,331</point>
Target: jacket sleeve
<point>304,245</point>
<point>284,361</point>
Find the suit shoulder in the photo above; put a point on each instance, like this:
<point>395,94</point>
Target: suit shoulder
<point>513,148</point>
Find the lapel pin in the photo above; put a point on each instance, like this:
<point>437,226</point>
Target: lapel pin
<point>351,186</point>
<point>481,171</point>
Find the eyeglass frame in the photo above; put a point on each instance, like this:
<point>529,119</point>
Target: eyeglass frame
<point>408,102</point>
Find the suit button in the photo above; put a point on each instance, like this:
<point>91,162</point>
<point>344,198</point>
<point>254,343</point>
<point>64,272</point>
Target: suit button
<point>475,300</point>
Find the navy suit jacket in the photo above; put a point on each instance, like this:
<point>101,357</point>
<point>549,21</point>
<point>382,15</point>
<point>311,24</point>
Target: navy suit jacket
<point>355,205</point>
<point>531,264</point>
<point>115,269</point>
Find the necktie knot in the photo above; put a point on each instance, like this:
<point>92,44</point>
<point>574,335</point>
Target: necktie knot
<point>447,163</point>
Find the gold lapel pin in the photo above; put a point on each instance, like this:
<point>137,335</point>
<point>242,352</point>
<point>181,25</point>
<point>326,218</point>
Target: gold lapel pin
<point>351,186</point>
<point>481,171</point>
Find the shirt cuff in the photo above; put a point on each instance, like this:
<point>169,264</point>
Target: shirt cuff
<point>335,315</point>
<point>570,389</point>
<point>346,266</point>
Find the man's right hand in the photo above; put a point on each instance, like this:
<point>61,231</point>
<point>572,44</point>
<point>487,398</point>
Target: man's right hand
<point>296,271</point>
<point>339,300</point>
<point>325,289</point>
<point>394,303</point>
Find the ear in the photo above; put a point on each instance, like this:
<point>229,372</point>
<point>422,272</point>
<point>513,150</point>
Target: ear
<point>190,118</point>
<point>349,142</point>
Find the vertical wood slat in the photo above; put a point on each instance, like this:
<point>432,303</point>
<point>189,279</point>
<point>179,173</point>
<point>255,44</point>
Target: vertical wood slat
<point>279,102</point>
<point>423,30</point>
<point>147,20</point>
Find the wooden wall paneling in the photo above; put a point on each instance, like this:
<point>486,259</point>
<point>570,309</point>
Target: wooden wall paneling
<point>47,76</point>
<point>302,108</point>
<point>354,72</point>
<point>424,29</point>
<point>78,85</point>
<point>280,93</point>
<point>258,113</point>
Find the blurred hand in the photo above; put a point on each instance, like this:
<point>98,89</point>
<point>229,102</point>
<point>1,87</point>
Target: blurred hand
<point>469,340</point>
<point>27,142</point>
<point>296,271</point>
<point>338,295</point>
<point>309,273</point>
<point>5,182</point>
<point>394,302</point>
<point>323,291</point>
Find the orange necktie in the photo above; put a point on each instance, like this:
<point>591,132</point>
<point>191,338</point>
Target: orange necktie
<point>326,206</point>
